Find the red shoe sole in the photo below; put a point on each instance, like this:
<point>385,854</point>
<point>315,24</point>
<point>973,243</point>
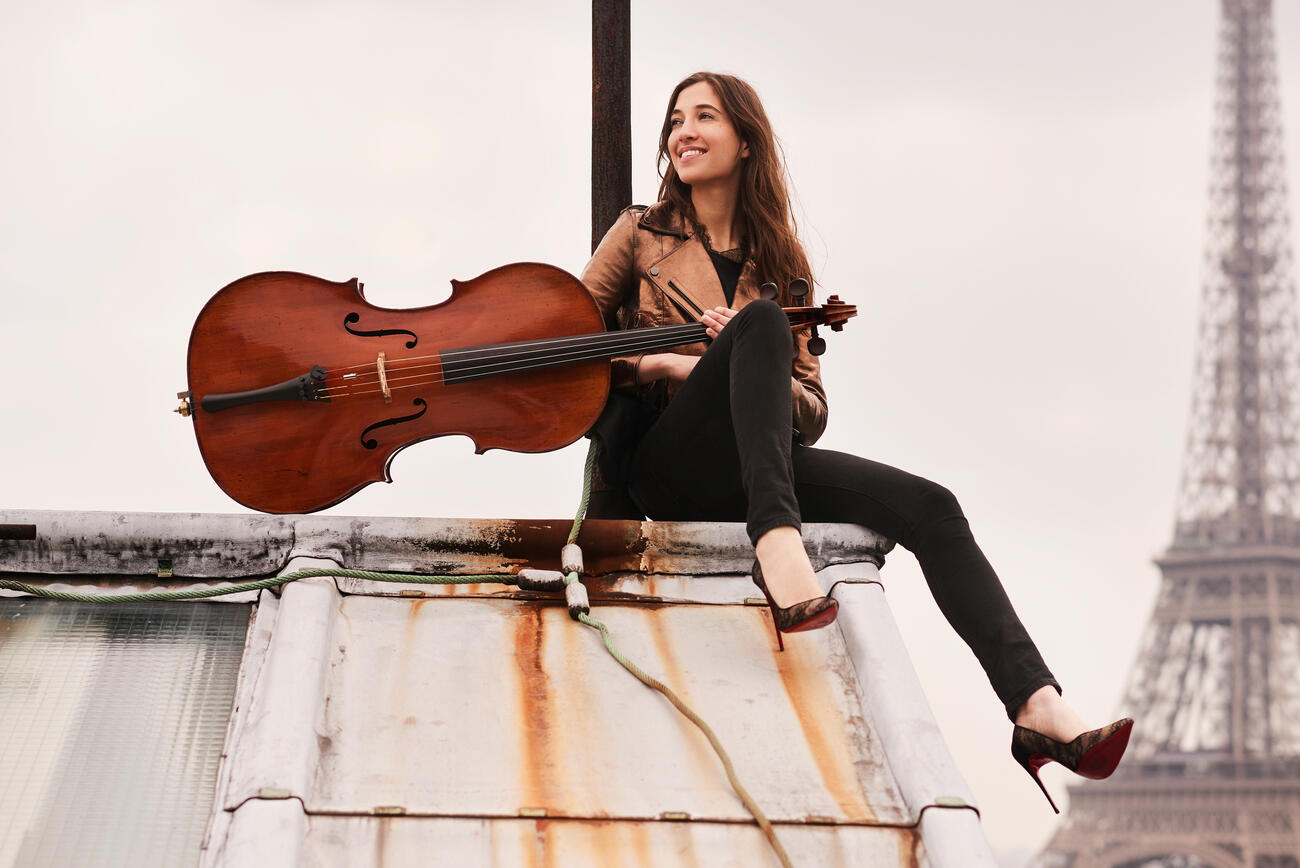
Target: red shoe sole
<point>821,619</point>
<point>1099,762</point>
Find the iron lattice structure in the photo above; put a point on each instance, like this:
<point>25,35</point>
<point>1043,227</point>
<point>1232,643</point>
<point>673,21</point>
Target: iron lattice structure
<point>1213,772</point>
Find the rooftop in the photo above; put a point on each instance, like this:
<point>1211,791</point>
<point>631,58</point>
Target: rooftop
<point>367,722</point>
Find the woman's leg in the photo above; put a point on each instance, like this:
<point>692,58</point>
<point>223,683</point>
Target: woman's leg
<point>722,450</point>
<point>697,463</point>
<point>926,519</point>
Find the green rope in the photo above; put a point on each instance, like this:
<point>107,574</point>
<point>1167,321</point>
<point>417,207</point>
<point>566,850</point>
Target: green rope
<point>593,450</point>
<point>271,582</point>
<point>656,684</point>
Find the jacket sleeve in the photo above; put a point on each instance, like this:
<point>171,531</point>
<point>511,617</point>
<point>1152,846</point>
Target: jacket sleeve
<point>807,395</point>
<point>610,279</point>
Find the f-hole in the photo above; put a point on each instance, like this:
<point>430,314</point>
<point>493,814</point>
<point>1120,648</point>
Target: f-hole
<point>396,420</point>
<point>377,333</point>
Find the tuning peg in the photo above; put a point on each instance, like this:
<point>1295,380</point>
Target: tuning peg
<point>816,343</point>
<point>768,291</point>
<point>798,288</point>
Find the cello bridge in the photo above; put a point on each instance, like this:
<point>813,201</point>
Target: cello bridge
<point>383,378</point>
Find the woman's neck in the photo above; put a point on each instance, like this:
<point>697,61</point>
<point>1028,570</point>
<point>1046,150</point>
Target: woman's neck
<point>716,209</point>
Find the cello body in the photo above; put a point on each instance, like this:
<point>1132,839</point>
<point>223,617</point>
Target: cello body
<point>370,379</point>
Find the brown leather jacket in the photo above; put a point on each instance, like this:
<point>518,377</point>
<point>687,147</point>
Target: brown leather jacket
<point>650,267</point>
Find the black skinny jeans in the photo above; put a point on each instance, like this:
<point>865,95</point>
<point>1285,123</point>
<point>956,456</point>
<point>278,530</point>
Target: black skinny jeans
<point>723,450</point>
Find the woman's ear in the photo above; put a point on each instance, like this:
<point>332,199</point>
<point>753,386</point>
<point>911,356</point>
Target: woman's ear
<point>744,150</point>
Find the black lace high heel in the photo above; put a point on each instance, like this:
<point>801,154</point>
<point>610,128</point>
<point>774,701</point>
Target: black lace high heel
<point>808,615</point>
<point>1094,754</point>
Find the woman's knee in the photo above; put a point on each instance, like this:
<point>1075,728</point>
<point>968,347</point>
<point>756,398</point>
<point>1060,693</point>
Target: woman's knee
<point>939,509</point>
<point>763,309</point>
<point>764,315</point>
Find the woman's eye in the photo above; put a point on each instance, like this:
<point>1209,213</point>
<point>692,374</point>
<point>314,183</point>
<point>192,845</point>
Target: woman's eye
<point>675,122</point>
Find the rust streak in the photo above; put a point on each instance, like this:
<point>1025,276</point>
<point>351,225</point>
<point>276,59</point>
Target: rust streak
<point>675,678</point>
<point>381,841</point>
<point>604,837</point>
<point>915,857</point>
<point>412,619</point>
<point>640,843</point>
<point>343,612</point>
<point>546,835</point>
<point>398,738</point>
<point>534,706</point>
<point>531,846</point>
<point>578,777</point>
<point>640,836</point>
<point>823,727</point>
<point>683,838</point>
<point>402,672</point>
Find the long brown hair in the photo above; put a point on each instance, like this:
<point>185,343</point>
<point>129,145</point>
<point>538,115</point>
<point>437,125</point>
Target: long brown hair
<point>771,233</point>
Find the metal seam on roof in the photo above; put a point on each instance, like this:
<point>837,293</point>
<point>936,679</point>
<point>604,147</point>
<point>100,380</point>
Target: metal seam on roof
<point>289,695</point>
<point>892,695</point>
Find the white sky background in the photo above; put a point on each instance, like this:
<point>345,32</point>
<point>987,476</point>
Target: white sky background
<point>1013,194</point>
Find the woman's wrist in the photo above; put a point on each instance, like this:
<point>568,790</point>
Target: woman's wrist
<point>664,366</point>
<point>654,366</point>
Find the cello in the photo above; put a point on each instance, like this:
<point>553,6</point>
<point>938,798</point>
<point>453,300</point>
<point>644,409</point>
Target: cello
<point>301,391</point>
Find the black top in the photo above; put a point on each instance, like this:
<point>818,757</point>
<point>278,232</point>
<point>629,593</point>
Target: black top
<point>728,273</point>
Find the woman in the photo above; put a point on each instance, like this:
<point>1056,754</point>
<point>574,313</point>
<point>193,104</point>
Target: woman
<point>733,425</point>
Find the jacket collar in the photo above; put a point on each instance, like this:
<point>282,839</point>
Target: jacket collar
<point>687,269</point>
<point>665,219</point>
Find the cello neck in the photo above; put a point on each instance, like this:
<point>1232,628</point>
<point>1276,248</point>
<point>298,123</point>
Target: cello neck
<point>475,363</point>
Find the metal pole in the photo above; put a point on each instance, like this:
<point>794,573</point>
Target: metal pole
<point>611,113</point>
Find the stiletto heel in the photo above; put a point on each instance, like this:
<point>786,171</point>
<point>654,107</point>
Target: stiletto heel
<point>771,607</point>
<point>1094,754</point>
<point>1032,766</point>
<point>808,615</point>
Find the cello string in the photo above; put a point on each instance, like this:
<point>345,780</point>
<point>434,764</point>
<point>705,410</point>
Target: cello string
<point>596,338</point>
<point>537,344</point>
<point>559,342</point>
<point>577,348</point>
<point>347,390</point>
<point>574,352</point>
<point>479,372</point>
<point>501,364</point>
<point>489,363</point>
<point>494,352</point>
<point>527,351</point>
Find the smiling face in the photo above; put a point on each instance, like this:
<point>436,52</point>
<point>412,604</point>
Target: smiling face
<point>702,143</point>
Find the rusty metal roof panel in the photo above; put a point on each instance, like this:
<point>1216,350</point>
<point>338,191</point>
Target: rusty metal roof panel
<point>483,722</point>
<point>500,707</point>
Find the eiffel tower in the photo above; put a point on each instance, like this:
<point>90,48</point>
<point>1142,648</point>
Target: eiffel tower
<point>1212,776</point>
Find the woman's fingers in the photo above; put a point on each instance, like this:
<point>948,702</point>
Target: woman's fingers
<point>715,320</point>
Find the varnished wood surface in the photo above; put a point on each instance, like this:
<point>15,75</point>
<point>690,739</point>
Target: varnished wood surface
<point>291,456</point>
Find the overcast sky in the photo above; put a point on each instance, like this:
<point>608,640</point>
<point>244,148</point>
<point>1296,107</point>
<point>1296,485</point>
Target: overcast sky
<point>1013,194</point>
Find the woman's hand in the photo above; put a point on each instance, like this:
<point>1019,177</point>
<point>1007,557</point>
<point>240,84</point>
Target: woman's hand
<point>674,367</point>
<point>717,319</point>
